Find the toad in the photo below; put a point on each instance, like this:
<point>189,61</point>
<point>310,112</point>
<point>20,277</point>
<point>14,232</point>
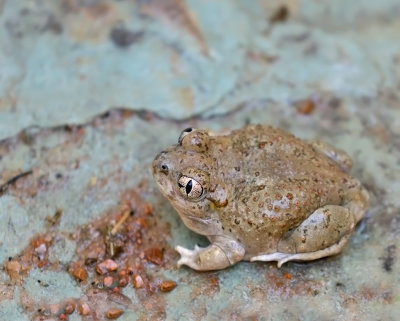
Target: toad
<point>259,194</point>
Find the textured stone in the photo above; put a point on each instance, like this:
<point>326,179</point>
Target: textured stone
<point>325,69</point>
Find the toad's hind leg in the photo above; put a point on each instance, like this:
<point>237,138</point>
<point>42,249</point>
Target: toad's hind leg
<point>323,233</point>
<point>339,156</point>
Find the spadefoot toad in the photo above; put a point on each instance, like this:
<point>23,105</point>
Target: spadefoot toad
<point>259,194</point>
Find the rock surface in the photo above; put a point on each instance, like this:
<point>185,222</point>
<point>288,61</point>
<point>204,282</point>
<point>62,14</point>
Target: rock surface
<point>90,91</point>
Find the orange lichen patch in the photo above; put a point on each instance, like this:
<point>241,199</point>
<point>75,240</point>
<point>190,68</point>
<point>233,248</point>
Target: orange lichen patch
<point>147,209</point>
<point>210,286</point>
<point>104,262</point>
<point>175,12</point>
<point>139,239</point>
<point>141,221</point>
<point>34,255</point>
<point>214,281</point>
<point>6,292</point>
<point>305,107</point>
<point>167,285</point>
<point>207,285</point>
<point>380,294</point>
<point>368,293</point>
<point>287,284</point>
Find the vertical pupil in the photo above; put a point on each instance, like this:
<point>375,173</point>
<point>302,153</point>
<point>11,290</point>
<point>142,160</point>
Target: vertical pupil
<point>189,187</point>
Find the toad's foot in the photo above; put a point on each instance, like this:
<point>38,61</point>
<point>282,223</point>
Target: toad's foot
<point>187,256</point>
<point>218,255</point>
<point>282,258</point>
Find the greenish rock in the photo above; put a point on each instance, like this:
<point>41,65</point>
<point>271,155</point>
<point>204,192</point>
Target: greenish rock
<point>130,95</point>
<point>50,287</point>
<point>9,310</point>
<point>14,219</point>
<point>62,250</point>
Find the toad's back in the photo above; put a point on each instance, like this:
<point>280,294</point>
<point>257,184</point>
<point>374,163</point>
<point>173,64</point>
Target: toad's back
<point>274,181</point>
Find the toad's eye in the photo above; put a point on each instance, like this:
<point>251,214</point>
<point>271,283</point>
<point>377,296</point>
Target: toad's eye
<point>190,188</point>
<point>184,133</point>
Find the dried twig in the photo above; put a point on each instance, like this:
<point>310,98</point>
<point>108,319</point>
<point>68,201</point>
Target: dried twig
<point>116,227</point>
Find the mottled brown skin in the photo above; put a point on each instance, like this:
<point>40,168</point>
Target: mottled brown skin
<point>266,195</point>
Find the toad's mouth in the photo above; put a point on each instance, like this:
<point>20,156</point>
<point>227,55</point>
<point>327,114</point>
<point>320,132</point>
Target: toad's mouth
<point>197,224</point>
<point>204,220</point>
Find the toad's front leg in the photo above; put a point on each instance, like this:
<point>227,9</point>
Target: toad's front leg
<point>221,253</point>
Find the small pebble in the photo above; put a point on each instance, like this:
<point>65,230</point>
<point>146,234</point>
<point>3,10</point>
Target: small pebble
<point>167,285</point>
<point>80,273</point>
<point>69,308</point>
<point>154,255</point>
<point>122,273</point>
<point>108,280</point>
<point>84,309</point>
<point>41,249</point>
<point>138,282</point>
<point>93,181</point>
<point>114,313</point>
<point>123,281</point>
<point>106,266</point>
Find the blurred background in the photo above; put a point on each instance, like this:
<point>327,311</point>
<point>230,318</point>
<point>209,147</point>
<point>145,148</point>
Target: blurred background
<point>92,90</point>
